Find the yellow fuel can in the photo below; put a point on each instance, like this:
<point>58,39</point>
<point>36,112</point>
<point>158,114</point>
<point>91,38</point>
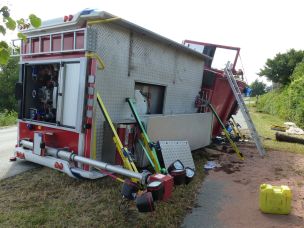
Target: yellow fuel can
<point>275,199</point>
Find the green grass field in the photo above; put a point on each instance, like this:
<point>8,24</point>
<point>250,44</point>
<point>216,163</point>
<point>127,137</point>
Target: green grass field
<point>263,123</point>
<point>47,198</point>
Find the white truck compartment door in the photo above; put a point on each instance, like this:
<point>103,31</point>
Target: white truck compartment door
<point>71,94</point>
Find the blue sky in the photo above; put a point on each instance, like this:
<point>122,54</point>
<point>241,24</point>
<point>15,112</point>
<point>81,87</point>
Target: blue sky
<point>260,28</point>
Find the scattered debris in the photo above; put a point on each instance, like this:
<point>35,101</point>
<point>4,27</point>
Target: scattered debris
<point>295,130</point>
<point>290,124</point>
<point>180,173</point>
<point>278,128</point>
<point>288,138</point>
<point>292,128</point>
<point>211,165</point>
<point>229,168</point>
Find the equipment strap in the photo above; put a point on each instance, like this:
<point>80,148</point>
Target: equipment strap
<point>233,145</point>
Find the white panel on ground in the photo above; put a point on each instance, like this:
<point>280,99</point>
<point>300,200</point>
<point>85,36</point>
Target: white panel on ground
<point>176,150</point>
<point>239,118</point>
<point>70,94</point>
<point>194,128</point>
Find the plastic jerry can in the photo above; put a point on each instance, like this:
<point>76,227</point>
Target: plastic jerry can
<point>275,199</point>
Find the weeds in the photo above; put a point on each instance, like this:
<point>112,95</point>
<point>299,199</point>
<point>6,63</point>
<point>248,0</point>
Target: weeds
<point>263,123</point>
<point>8,118</point>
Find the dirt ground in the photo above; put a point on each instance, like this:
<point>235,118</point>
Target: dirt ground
<point>229,196</point>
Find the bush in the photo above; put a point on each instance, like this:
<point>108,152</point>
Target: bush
<point>287,102</point>
<point>9,74</point>
<point>8,118</point>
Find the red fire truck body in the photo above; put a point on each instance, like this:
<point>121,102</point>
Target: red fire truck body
<point>215,85</point>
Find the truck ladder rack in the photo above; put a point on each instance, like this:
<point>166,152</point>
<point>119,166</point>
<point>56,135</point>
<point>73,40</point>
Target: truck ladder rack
<point>52,43</point>
<point>238,95</point>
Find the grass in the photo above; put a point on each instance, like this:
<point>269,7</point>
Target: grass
<point>8,118</point>
<point>44,197</point>
<point>263,124</point>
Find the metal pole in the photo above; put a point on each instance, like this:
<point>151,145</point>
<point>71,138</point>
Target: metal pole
<point>102,165</point>
<point>68,156</point>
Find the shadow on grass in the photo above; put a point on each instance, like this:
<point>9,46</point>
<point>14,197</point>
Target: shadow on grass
<point>45,197</point>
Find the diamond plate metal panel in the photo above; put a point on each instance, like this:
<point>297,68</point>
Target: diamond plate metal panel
<point>91,40</point>
<point>176,150</point>
<point>130,57</point>
<point>112,83</point>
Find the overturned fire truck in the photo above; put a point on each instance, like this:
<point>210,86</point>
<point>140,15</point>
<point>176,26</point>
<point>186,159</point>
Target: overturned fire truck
<point>75,75</point>
<point>215,85</point>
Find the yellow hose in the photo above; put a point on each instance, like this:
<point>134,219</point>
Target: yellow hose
<point>92,22</point>
<point>94,55</point>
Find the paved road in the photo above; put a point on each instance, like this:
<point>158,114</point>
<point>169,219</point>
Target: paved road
<point>8,137</point>
<point>208,205</point>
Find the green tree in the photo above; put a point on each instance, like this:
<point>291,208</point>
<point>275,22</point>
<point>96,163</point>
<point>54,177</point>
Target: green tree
<point>280,68</point>
<point>9,23</point>
<point>258,88</point>
<point>286,102</point>
<point>8,77</point>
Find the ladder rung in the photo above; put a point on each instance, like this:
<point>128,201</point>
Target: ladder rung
<point>51,43</point>
<point>30,45</point>
<point>39,44</point>
<point>74,41</point>
<point>61,42</point>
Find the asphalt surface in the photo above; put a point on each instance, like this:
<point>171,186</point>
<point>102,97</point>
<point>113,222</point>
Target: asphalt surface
<point>8,137</point>
<point>208,206</point>
<point>211,196</point>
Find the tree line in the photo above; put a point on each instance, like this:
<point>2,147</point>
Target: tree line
<point>278,70</point>
<point>9,70</point>
<point>287,100</point>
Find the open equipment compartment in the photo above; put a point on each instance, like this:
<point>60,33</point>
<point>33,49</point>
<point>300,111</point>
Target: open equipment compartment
<point>53,93</point>
<point>40,88</point>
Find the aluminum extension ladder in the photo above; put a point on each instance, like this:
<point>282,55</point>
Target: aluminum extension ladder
<point>34,44</point>
<point>238,95</point>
